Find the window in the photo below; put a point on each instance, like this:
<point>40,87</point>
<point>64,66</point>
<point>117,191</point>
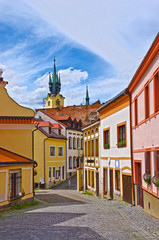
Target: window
<point>89,177</point>
<point>74,143</point>
<point>96,148</point>
<point>78,143</point>
<point>85,134</point>
<point>49,174</point>
<point>52,151</point>
<point>106,138</point>
<point>59,173</point>
<point>74,162</point>
<point>156,92</point>
<point>63,172</point>
<point>49,130</point>
<point>48,103</point>
<point>135,112</point>
<point>121,135</point>
<point>88,148</point>
<point>15,184</point>
<point>117,180</point>
<point>59,131</point>
<point>92,131</point>
<point>70,162</point>
<point>96,130</point>
<point>156,165</point>
<point>60,151</point>
<point>147,163</point>
<point>92,179</point>
<point>146,101</point>
<point>70,143</point>
<point>85,149</point>
<point>54,173</point>
<point>82,143</point>
<point>92,148</point>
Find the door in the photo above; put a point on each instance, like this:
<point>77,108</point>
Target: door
<point>105,183</point>
<point>97,184</point>
<point>127,188</point>
<point>140,191</point>
<point>111,182</point>
<point>85,179</point>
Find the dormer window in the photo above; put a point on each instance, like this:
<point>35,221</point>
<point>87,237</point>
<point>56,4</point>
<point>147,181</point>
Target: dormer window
<point>59,131</point>
<point>49,130</point>
<point>48,103</point>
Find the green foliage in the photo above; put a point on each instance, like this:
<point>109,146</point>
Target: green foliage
<point>24,205</point>
<point>106,145</point>
<point>89,193</point>
<point>122,143</point>
<point>157,183</point>
<point>148,179</point>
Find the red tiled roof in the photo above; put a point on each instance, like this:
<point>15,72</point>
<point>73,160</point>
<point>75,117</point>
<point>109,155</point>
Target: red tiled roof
<point>9,157</point>
<point>56,125</point>
<point>45,124</point>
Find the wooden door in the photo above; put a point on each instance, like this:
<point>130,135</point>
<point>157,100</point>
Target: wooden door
<point>127,189</point>
<point>85,179</point>
<point>140,186</point>
<point>97,183</point>
<point>105,183</point>
<point>111,182</point>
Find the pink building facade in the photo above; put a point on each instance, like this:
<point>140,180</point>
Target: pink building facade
<point>144,92</point>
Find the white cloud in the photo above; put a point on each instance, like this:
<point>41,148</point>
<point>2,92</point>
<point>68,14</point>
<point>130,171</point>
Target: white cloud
<point>71,77</point>
<point>115,30</point>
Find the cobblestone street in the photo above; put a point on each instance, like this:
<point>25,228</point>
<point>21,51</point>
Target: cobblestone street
<point>66,214</point>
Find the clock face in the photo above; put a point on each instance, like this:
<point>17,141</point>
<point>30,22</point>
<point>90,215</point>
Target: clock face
<point>57,102</point>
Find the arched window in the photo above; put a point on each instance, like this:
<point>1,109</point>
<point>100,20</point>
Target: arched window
<point>70,142</point>
<point>70,162</point>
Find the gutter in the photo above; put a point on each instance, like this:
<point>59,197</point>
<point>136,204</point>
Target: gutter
<point>131,149</point>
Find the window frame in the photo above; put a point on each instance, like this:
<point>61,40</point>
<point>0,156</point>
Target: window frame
<point>74,142</point>
<point>104,138</point>
<point>147,101</point>
<point>55,151</point>
<point>58,151</point>
<point>70,161</point>
<point>118,135</point>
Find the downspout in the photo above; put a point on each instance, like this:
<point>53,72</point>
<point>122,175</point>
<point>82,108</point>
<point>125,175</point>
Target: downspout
<point>131,149</point>
<point>44,158</point>
<point>33,155</point>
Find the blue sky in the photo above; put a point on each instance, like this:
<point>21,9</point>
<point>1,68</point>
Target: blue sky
<point>96,43</point>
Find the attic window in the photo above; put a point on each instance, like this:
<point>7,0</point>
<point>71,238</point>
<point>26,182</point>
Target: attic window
<point>49,130</point>
<point>59,131</point>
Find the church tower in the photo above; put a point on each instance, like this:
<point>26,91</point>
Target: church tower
<point>87,96</point>
<point>54,98</point>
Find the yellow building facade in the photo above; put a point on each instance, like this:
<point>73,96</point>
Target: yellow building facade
<point>16,178</point>
<point>91,157</point>
<point>50,154</point>
<point>16,164</point>
<point>54,101</point>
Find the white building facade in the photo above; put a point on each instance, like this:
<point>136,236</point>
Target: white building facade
<point>115,155</point>
<point>74,144</point>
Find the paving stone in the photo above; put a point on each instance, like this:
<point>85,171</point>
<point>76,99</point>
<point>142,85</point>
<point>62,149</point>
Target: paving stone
<point>67,214</point>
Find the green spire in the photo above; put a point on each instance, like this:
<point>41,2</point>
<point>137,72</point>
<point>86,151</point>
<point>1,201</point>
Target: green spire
<point>54,81</point>
<point>87,96</point>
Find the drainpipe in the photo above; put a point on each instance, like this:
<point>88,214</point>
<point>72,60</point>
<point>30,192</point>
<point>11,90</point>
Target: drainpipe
<point>44,159</point>
<point>131,149</point>
<point>35,165</point>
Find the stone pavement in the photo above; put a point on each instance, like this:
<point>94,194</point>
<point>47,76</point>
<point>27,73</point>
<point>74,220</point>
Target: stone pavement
<point>66,214</point>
